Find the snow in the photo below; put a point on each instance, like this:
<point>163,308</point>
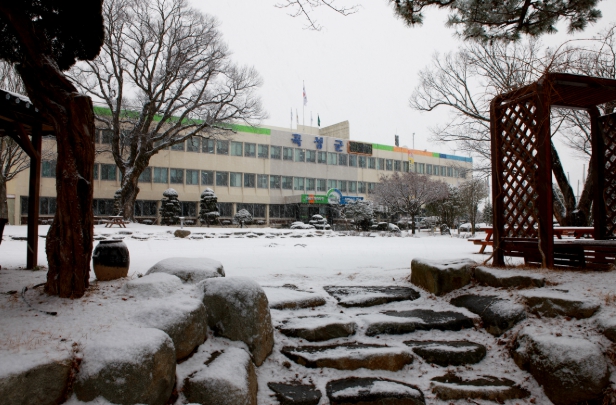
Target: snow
<point>170,192</point>
<point>378,387</point>
<point>505,273</point>
<point>189,269</point>
<point>154,285</point>
<point>444,264</point>
<point>283,296</point>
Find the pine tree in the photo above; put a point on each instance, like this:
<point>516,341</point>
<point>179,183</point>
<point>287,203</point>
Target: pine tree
<point>243,217</point>
<point>170,209</point>
<point>208,211</point>
<point>488,213</point>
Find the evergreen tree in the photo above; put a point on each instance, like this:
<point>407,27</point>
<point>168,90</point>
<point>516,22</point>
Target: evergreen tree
<point>170,209</point>
<point>488,213</point>
<point>243,217</point>
<point>208,211</point>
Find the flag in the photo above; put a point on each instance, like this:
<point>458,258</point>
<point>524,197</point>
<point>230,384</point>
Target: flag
<point>318,120</point>
<point>305,98</point>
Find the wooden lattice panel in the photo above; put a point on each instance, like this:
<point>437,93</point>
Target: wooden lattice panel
<point>518,148</point>
<point>607,126</point>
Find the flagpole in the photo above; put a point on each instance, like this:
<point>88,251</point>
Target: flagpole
<point>304,105</point>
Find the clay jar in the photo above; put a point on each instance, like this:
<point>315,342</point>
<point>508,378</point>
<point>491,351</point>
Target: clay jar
<point>111,260</point>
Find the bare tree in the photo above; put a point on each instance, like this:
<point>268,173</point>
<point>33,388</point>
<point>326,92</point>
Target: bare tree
<point>407,193</point>
<point>478,20</point>
<point>164,76</point>
<point>471,194</point>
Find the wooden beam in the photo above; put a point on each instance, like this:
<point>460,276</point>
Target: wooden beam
<point>497,173</point>
<point>24,141</point>
<point>598,160</point>
<point>33,198</point>
<point>543,177</point>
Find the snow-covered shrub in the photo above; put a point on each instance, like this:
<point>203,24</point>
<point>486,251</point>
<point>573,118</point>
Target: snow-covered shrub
<point>170,209</point>
<point>301,225</point>
<point>243,217</point>
<point>208,211</point>
<point>361,212</point>
<point>318,222</point>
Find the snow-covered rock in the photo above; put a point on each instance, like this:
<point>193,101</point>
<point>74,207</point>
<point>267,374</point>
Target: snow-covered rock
<point>448,353</point>
<point>400,322</point>
<point>498,314</point>
<point>190,270</point>
<point>223,377</point>
<point>608,326</point>
<point>487,388</point>
<point>571,370</point>
<point>181,233</point>
<point>367,296</point>
<point>284,298</point>
<point>295,393</point>
<point>553,303</point>
<point>154,285</point>
<point>301,225</point>
<point>441,276</point>
<point>127,365</point>
<point>372,390</point>
<point>34,377</point>
<point>184,320</point>
<point>501,278</point>
<point>237,308</point>
<point>319,328</point>
<point>350,356</point>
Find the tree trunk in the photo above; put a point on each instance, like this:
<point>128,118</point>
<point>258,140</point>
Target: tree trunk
<point>413,223</point>
<point>69,241</point>
<point>4,207</point>
<point>572,216</point>
<point>130,190</point>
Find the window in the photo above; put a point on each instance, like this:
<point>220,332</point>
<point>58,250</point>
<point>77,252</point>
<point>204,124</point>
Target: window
<point>311,156</point>
<point>352,186</point>
<point>353,160</point>
<point>389,164</point>
<point>49,168</point>
<point>235,179</point>
<point>420,168</point>
<point>463,173</point>
<point>300,155</point>
<point>371,163</point>
<point>371,187</point>
<point>287,153</point>
<point>342,185</point>
<point>276,210</point>
<point>192,144</point>
<point>321,185</point>
<point>178,146</point>
<point>406,166</point>
<point>222,147</point>
<point>322,157</point>
<point>428,169</point>
<point>456,172</point>
<point>310,184</point>
<point>160,175</point>
<point>189,209</point>
<point>380,164</point>
<point>103,206</point>
<point>207,177</point>
<point>276,152</point>
<point>397,165</point>
<point>222,178</point>
<point>287,182</point>
<point>263,151</point>
<point>342,159</point>
<point>225,209</point>
<point>298,183</point>
<point>250,149</point>
<point>332,158</point>
<point>275,181</point>
<point>95,174</point>
<point>262,180</point>
<point>249,180</point>
<point>331,184</point>
<point>192,176</point>
<point>176,176</point>
<point>362,162</point>
<point>208,146</point>
<point>106,136</point>
<point>361,187</point>
<point>108,172</point>
<point>146,175</point>
<point>145,208</point>
<point>236,148</point>
<point>256,210</point>
<point>449,171</point>
<point>443,171</point>
<point>47,205</point>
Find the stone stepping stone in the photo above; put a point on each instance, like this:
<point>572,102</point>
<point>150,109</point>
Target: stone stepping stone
<point>553,303</point>
<point>451,387</point>
<point>350,356</point>
<point>19,238</point>
<point>295,393</point>
<point>318,328</point>
<point>400,322</point>
<point>498,314</point>
<point>361,296</point>
<point>285,298</point>
<point>448,353</point>
<point>190,270</point>
<point>373,391</point>
<point>440,277</point>
<point>508,278</point>
<point>140,237</point>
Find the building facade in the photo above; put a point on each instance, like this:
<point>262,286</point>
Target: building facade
<point>277,174</point>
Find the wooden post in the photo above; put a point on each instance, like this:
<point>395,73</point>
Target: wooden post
<point>497,173</point>
<point>33,199</point>
<point>598,160</point>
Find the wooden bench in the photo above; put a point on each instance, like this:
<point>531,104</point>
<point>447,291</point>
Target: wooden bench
<point>116,220</point>
<point>487,241</point>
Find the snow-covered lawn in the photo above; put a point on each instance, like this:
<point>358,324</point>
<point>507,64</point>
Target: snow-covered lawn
<point>274,257</point>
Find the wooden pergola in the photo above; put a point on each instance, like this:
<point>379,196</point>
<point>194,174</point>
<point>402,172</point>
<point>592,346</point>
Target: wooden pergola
<point>21,121</point>
<point>522,171</point>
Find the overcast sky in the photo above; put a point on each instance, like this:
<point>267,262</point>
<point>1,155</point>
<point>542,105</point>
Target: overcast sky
<point>361,68</point>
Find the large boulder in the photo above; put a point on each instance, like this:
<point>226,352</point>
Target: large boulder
<point>442,276</point>
<point>190,270</point>
<point>571,370</point>
<point>185,322</point>
<point>227,377</point>
<point>508,278</point>
<point>153,286</point>
<point>237,308</point>
<point>497,314</point>
<point>553,303</point>
<point>37,378</point>
<point>127,366</point>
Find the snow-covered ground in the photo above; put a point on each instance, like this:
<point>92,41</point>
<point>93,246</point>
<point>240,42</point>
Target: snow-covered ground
<point>274,257</point>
